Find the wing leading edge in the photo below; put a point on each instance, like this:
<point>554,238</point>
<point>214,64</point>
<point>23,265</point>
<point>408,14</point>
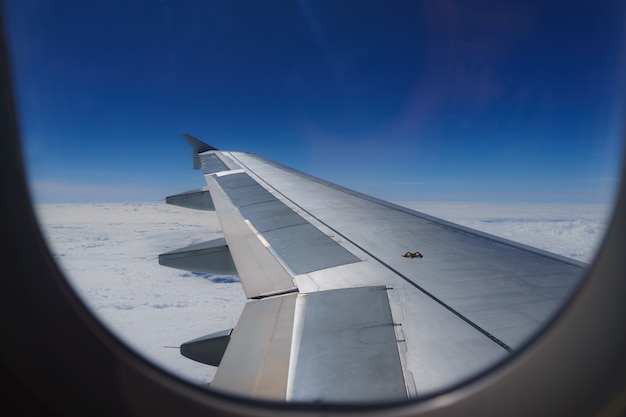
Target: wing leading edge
<point>337,313</point>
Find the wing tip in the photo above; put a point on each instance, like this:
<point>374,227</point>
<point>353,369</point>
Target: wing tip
<point>197,145</point>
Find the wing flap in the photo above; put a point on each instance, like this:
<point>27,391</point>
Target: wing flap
<point>348,349</point>
<point>259,270</point>
<point>256,362</point>
<point>341,346</point>
<point>300,245</point>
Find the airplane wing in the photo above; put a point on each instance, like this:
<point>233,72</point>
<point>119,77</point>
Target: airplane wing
<point>352,298</point>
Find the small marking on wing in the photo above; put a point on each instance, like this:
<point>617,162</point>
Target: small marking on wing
<point>413,255</point>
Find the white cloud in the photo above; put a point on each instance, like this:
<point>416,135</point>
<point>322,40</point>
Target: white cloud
<point>109,254</point>
<point>572,230</point>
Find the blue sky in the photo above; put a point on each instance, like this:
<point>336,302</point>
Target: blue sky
<point>405,100</point>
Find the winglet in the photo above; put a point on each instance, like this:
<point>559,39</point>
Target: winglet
<point>198,147</point>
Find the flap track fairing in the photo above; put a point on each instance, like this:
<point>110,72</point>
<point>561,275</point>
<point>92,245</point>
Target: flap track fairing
<point>212,257</point>
<point>199,199</point>
<point>207,349</point>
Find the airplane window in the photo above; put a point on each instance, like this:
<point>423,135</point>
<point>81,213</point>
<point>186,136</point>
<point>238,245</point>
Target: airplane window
<point>488,135</point>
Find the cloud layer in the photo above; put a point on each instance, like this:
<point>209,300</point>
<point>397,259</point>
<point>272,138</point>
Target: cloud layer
<point>109,254</point>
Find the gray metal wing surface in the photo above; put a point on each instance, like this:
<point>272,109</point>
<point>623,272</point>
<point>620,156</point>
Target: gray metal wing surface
<point>353,298</point>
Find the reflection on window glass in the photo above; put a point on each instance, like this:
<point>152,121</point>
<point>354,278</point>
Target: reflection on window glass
<point>506,119</point>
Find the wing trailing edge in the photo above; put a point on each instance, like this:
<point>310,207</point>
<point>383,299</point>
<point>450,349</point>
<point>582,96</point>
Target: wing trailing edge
<point>328,346</point>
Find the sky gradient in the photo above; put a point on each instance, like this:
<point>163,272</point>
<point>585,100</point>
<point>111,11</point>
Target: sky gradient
<point>404,100</point>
